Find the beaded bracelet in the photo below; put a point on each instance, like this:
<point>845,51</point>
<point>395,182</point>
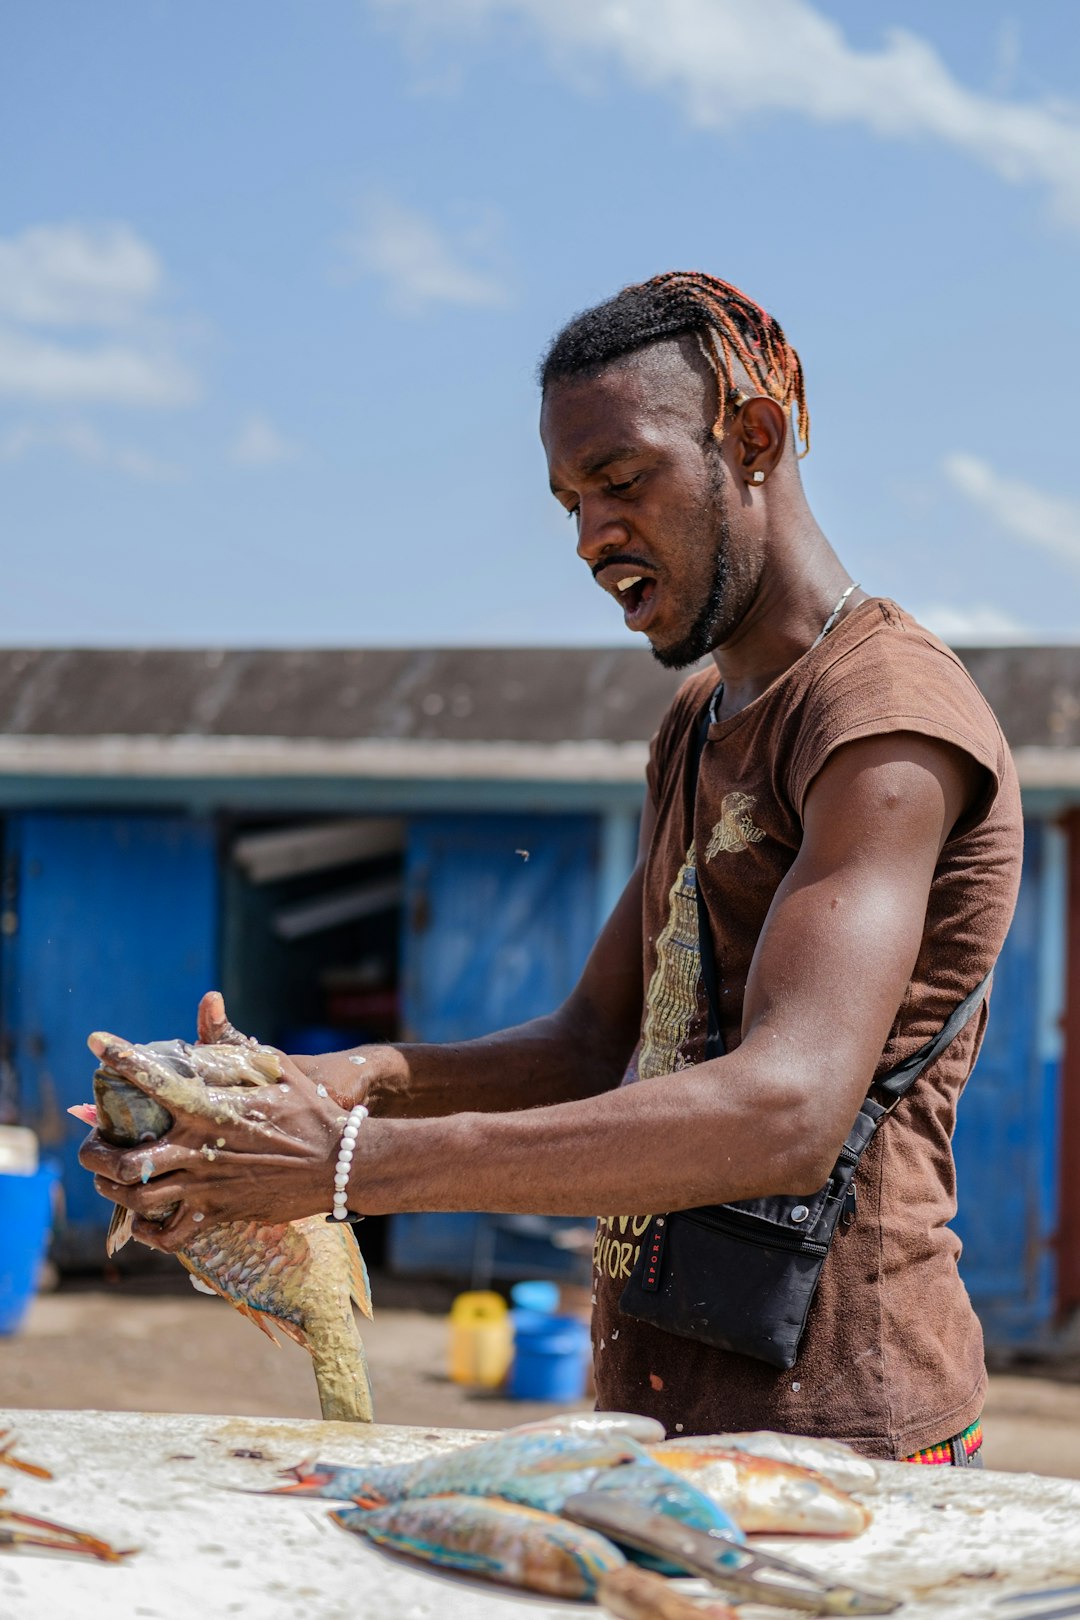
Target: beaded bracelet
<point>344,1162</point>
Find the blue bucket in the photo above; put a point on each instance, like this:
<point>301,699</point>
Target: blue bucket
<point>551,1357</point>
<point>25,1221</point>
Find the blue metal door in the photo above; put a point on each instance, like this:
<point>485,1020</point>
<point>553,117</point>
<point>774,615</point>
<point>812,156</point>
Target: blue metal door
<point>111,924</point>
<point>500,916</point>
<point>1007,1128</point>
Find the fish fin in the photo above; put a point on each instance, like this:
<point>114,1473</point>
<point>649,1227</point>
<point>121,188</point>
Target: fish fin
<point>296,1334</point>
<point>359,1286</point>
<point>119,1231</point>
<point>211,1285</point>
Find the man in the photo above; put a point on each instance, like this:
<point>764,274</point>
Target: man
<point>856,836</point>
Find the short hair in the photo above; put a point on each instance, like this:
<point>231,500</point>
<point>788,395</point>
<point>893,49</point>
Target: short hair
<point>729,326</point>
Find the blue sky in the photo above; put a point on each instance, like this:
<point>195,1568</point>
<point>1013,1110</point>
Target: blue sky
<point>274,277</point>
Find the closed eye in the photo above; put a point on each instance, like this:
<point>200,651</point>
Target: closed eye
<point>620,489</point>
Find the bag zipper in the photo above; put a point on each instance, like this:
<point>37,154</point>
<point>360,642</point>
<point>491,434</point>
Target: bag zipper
<point>775,1238</point>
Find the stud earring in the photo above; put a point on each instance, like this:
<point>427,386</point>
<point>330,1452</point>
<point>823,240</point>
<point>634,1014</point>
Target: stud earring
<point>757,477</point>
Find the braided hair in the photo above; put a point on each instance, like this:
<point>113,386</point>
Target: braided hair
<point>730,327</point>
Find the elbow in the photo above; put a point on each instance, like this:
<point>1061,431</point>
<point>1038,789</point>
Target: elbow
<point>806,1148</point>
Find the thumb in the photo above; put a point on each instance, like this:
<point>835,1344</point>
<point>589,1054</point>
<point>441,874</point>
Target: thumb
<point>214,1028</point>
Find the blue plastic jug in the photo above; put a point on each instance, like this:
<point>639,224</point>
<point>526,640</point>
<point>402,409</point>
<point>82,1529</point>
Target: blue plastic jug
<point>25,1221</point>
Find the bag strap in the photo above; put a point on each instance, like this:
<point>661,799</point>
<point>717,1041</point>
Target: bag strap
<point>714,1040</point>
<point>895,1082</point>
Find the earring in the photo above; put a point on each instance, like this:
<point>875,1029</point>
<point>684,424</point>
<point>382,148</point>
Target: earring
<point>757,477</point>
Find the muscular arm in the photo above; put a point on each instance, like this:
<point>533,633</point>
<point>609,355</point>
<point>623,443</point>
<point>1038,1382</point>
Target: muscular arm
<point>831,968</point>
<point>579,1050</point>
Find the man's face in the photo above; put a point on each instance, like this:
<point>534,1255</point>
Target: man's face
<point>632,459</point>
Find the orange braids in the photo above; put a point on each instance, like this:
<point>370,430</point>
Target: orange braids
<point>732,330</point>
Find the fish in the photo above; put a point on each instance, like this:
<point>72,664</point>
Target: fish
<point>645,1430</point>
<point>744,1575</point>
<point>304,1276</point>
<point>536,1468</point>
<point>766,1496</point>
<point>498,1541</point>
<point>635,1594</point>
<point>832,1458</point>
<point>27,1530</point>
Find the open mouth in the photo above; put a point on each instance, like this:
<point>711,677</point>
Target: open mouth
<point>635,593</point>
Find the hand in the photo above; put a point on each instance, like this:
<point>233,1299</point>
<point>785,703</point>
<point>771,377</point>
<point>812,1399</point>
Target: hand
<point>265,1153</point>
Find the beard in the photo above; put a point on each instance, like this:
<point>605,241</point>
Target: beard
<point>716,616</point>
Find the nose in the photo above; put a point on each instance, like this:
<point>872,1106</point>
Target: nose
<point>599,530</point>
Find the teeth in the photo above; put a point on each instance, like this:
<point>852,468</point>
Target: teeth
<point>625,584</point>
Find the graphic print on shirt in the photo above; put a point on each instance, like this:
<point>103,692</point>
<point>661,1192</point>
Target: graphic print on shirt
<point>735,831</point>
<point>671,1003</point>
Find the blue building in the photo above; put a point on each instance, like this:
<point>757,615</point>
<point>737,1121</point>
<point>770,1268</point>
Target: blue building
<point>422,845</point>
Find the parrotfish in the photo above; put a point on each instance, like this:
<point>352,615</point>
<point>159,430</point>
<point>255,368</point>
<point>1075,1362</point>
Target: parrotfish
<point>303,1275</point>
<point>496,1540</point>
<point>538,1469</point>
<point>837,1461</point>
<point>763,1495</point>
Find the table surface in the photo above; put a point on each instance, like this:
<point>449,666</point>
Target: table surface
<point>947,1541</point>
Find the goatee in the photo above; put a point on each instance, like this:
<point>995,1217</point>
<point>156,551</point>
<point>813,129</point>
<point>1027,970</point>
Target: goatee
<point>710,624</point>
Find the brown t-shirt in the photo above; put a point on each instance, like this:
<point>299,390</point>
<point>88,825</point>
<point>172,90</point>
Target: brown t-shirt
<point>892,1357</point>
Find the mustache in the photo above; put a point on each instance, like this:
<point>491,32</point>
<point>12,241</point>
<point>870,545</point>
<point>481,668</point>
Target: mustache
<point>626,557</point>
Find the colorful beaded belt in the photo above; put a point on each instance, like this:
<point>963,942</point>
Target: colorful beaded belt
<point>971,1440</point>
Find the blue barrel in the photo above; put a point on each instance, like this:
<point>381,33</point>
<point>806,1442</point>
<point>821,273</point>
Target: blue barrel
<point>25,1221</point>
<point>551,1357</point>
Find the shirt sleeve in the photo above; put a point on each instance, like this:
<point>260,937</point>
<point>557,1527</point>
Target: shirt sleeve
<point>915,684</point>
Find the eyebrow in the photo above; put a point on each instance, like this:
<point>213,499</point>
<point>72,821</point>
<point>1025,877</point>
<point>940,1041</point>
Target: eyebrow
<point>591,468</point>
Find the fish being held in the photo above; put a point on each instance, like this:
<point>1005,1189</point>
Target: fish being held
<point>304,1275</point>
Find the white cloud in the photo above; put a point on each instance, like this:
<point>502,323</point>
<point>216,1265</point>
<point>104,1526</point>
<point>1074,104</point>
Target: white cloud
<point>70,275</point>
<point>85,444</point>
<point>1049,522</point>
<point>723,59</point>
<point>39,368</point>
<point>102,286</point>
<point>259,444</point>
<point>420,264</point>
<point>980,625</point>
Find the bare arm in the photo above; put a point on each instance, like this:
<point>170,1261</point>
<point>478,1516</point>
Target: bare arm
<point>831,968</point>
<point>577,1051</point>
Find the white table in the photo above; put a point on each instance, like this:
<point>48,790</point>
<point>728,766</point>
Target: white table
<point>950,1542</point>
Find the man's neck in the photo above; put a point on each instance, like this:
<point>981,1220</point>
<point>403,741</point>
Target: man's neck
<point>786,616</point>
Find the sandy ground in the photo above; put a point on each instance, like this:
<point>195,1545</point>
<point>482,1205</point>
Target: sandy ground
<point>151,1344</point>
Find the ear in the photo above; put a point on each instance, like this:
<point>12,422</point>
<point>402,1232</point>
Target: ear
<point>756,438</point>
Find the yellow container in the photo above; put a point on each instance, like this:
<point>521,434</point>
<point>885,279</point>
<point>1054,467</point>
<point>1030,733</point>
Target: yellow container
<point>481,1340</point>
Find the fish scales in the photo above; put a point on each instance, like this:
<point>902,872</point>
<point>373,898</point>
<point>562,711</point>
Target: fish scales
<point>538,1470</point>
<point>764,1495</point>
<point>304,1275</point>
<point>497,1541</point>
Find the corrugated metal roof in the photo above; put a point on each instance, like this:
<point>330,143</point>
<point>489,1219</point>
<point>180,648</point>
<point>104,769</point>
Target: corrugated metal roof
<point>526,694</point>
<point>539,695</point>
<point>534,713</point>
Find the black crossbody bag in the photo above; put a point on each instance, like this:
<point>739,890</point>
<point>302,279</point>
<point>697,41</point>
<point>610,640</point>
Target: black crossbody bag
<point>741,1276</point>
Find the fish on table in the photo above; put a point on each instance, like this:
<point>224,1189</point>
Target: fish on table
<point>538,1469</point>
<point>831,1458</point>
<point>762,1494</point>
<point>302,1276</point>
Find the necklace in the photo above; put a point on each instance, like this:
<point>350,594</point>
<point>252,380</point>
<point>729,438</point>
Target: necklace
<point>829,624</point>
<point>833,616</point>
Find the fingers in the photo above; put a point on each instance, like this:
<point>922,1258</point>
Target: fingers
<point>131,1167</point>
<point>214,1028</point>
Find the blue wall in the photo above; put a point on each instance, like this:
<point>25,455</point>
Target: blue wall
<point>114,924</point>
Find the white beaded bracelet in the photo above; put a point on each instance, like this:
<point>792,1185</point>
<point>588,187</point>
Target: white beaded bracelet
<point>344,1162</point>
